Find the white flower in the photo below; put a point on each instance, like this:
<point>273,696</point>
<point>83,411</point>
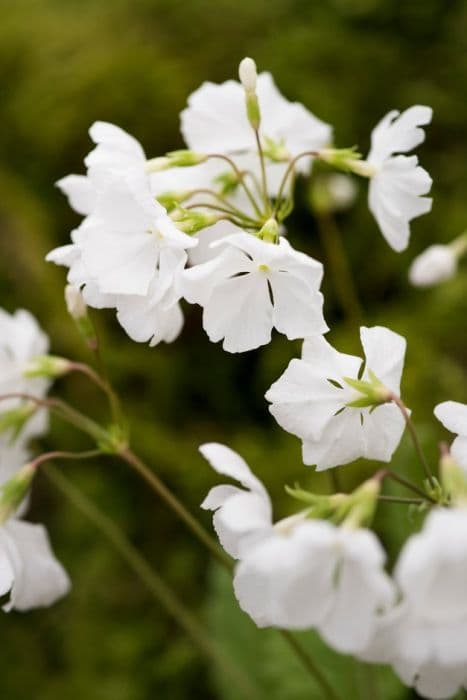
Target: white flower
<point>129,255</point>
<point>241,516</point>
<point>436,264</point>
<point>311,400</point>
<point>215,121</point>
<point>116,153</point>
<point>453,416</point>
<point>29,571</point>
<point>430,679</point>
<point>398,182</point>
<point>425,636</point>
<point>235,291</point>
<point>314,574</point>
<point>22,340</point>
<point>298,573</point>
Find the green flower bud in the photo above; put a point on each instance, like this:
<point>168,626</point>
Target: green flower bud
<point>47,366</point>
<point>13,492</point>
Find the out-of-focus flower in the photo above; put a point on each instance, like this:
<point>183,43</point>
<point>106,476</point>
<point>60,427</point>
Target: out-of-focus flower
<point>436,264</point>
<point>313,400</point>
<point>235,290</point>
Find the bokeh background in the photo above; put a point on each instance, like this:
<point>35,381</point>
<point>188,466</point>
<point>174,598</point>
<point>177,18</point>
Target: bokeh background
<point>66,63</point>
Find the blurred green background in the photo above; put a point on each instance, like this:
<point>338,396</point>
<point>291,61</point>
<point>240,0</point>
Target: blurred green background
<point>66,63</point>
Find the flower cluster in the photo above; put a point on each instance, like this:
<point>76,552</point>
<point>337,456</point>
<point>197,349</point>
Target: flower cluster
<point>227,195</point>
<point>29,573</point>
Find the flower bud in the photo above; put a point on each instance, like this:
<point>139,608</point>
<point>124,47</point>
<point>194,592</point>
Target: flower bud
<point>270,231</point>
<point>453,479</point>
<point>436,264</point>
<point>175,159</point>
<point>13,492</point>
<point>190,221</point>
<point>15,419</point>
<point>48,366</point>
<point>75,303</point>
<point>247,74</point>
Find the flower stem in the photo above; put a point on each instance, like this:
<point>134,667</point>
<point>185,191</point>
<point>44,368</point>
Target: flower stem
<point>413,434</point>
<point>264,182</point>
<point>153,582</point>
<point>310,665</point>
<point>103,383</point>
<point>336,255</point>
<point>288,172</point>
<point>241,179</point>
<point>223,200</point>
<point>172,501</point>
<point>400,499</point>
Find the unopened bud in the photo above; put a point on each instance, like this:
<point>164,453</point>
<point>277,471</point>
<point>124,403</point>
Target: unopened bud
<point>190,221</point>
<point>172,200</point>
<point>436,264</point>
<point>247,74</point>
<point>175,159</point>
<point>75,303</point>
<point>270,231</point>
<point>453,478</point>
<point>15,419</point>
<point>363,504</point>
<point>48,366</point>
<point>13,492</point>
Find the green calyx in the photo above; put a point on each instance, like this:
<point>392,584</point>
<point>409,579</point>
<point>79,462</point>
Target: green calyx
<point>351,510</point>
<point>275,150</point>
<point>190,221</point>
<point>175,159</point>
<point>347,160</point>
<point>13,492</point>
<point>453,488</point>
<point>15,419</point>
<point>373,392</point>
<point>270,231</point>
<point>48,366</point>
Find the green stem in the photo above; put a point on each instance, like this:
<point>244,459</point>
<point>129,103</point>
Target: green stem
<point>310,665</point>
<point>241,179</point>
<point>153,582</point>
<point>223,200</point>
<point>388,474</point>
<point>179,509</point>
<point>400,499</point>
<point>339,268</point>
<point>105,386</point>
<point>264,181</point>
<point>288,172</point>
<point>413,434</point>
<point>225,210</point>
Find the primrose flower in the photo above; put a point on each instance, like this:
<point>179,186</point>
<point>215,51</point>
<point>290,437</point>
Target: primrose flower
<point>313,400</point>
<point>299,573</point>
<point>397,182</point>
<point>22,340</point>
<point>235,290</point>
<point>453,415</point>
<point>116,153</point>
<point>241,515</point>
<point>216,121</point>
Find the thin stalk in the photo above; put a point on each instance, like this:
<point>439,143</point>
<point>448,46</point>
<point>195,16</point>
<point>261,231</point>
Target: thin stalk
<point>224,210</point>
<point>60,454</point>
<point>153,582</point>
<point>336,255</point>
<point>172,501</point>
<point>264,181</point>
<point>310,665</point>
<point>387,473</point>
<point>105,386</point>
<point>289,170</point>
<point>400,499</point>
<point>413,434</point>
<point>223,200</point>
<point>241,179</point>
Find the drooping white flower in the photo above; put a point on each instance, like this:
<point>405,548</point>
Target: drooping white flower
<point>314,574</point>
<point>298,573</point>
<point>398,183</point>
<point>235,292</point>
<point>311,400</point>
<point>453,415</point>
<point>29,571</point>
<point>425,637</point>
<point>430,679</point>
<point>242,515</point>
<point>21,340</point>
<point>215,121</point>
<point>436,264</point>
